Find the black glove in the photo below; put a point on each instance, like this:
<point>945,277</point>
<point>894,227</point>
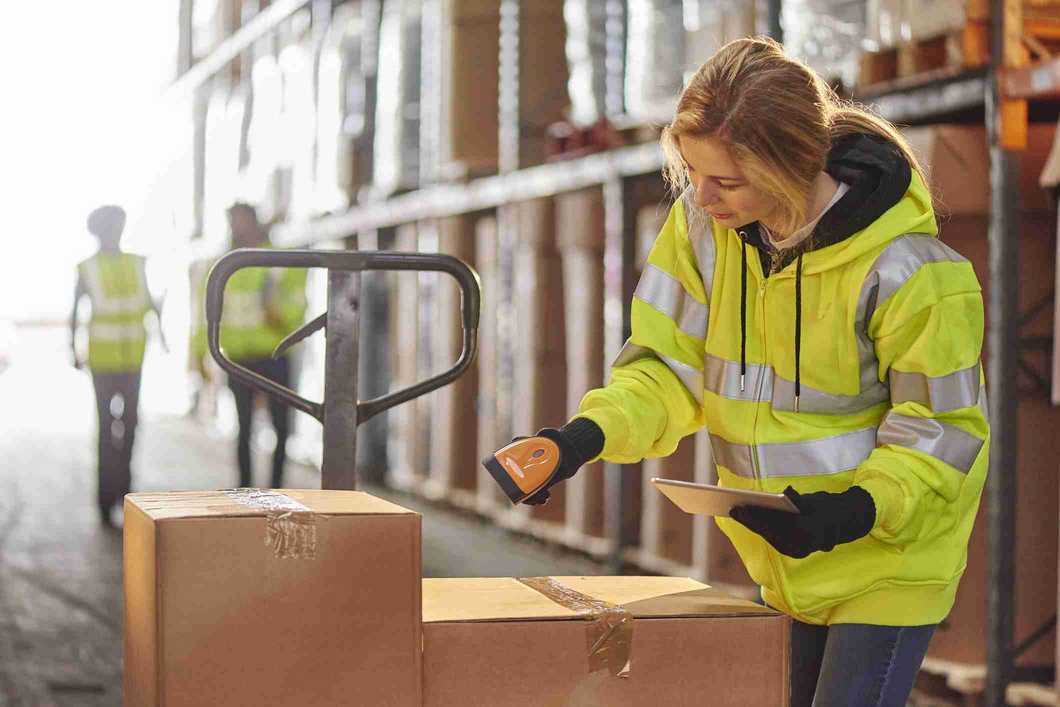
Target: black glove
<point>824,521</point>
<point>579,441</point>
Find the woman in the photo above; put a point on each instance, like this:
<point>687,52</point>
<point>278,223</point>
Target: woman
<point>799,304</point>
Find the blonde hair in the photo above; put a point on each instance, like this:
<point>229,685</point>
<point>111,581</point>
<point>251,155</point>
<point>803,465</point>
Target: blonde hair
<point>777,117</point>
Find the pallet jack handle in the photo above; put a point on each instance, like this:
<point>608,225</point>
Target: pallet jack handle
<point>340,412</point>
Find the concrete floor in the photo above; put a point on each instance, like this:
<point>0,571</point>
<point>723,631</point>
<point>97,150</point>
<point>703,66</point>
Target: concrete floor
<point>60,570</point>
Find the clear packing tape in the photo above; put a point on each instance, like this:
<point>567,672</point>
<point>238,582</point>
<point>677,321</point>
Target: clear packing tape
<point>609,633</point>
<point>290,527</point>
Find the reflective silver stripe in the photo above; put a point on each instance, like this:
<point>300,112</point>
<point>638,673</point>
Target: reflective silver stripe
<point>816,457</point>
<point>701,236</point>
<point>631,352</point>
<point>722,377</point>
<point>895,264</point>
<point>104,331</point>
<point>694,318</point>
<point>665,293</point>
<point>946,443</point>
<point>122,305</point>
<point>105,304</point>
<point>734,457</point>
<point>822,403</point>
<point>940,394</point>
<point>243,310</point>
<point>692,378</point>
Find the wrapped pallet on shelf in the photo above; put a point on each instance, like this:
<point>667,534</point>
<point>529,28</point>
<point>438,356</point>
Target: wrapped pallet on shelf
<point>460,88</point>
<point>655,56</point>
<point>543,74</point>
<point>397,125</point>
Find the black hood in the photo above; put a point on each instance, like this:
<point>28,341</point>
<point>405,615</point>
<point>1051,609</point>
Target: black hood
<point>878,176</point>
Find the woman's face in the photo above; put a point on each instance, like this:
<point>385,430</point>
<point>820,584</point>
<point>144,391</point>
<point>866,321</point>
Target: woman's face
<point>720,186</point>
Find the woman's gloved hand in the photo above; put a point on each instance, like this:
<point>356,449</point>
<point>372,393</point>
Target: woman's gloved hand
<point>579,441</point>
<point>824,521</point>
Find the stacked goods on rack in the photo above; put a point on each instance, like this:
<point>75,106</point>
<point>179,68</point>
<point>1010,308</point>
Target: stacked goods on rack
<point>955,157</point>
<point>580,232</point>
<point>924,39</point>
<point>409,441</point>
<point>397,124</point>
<point>454,451</point>
<point>460,89</point>
<point>539,336</point>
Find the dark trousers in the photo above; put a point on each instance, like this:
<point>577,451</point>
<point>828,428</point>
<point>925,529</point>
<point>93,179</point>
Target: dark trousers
<point>117,404</point>
<point>278,370</point>
<point>855,664</point>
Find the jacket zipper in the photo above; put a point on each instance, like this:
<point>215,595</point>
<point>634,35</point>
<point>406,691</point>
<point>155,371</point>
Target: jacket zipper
<point>756,464</point>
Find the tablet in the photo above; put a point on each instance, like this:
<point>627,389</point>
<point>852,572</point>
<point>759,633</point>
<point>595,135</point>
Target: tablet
<point>704,499</point>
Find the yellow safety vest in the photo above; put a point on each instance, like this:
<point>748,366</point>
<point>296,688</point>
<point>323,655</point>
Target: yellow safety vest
<point>246,332</point>
<point>117,286</point>
<point>892,399</point>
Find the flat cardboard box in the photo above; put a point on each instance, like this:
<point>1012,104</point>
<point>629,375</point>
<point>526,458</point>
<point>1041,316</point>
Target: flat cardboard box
<point>496,641</point>
<point>214,616</point>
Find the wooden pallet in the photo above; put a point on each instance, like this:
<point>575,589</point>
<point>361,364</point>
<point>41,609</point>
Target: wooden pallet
<point>964,49</point>
<point>1028,694</point>
<point>968,48</point>
<point>943,683</point>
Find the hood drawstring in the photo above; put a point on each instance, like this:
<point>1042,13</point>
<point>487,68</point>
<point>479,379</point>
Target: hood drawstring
<point>743,319</point>
<point>743,308</point>
<point>798,326</point>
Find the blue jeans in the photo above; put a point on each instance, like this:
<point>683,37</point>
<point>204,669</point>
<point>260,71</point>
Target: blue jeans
<point>855,665</point>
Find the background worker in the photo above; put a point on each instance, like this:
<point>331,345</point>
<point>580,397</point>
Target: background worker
<point>116,285</point>
<point>261,307</point>
<point>799,304</point>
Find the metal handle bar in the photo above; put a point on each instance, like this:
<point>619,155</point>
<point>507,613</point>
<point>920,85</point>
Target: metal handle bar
<point>348,261</point>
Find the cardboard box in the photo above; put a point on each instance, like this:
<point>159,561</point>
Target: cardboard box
<point>498,641</point>
<point>255,597</point>
<point>958,167</point>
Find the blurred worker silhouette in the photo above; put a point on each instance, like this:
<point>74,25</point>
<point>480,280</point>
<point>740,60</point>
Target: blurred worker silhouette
<point>261,306</point>
<point>116,285</point>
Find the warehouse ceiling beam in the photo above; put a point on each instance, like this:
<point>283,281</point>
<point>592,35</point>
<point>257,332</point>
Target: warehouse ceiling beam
<point>261,24</point>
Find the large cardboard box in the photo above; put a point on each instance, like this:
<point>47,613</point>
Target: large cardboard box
<point>627,641</point>
<point>254,597</point>
<point>957,165</point>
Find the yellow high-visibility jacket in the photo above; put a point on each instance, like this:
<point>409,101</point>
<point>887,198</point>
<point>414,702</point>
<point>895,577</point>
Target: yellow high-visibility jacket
<point>117,287</point>
<point>247,332</point>
<point>891,398</point>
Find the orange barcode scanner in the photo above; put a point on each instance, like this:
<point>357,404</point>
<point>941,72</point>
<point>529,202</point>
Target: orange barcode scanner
<point>524,467</point>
